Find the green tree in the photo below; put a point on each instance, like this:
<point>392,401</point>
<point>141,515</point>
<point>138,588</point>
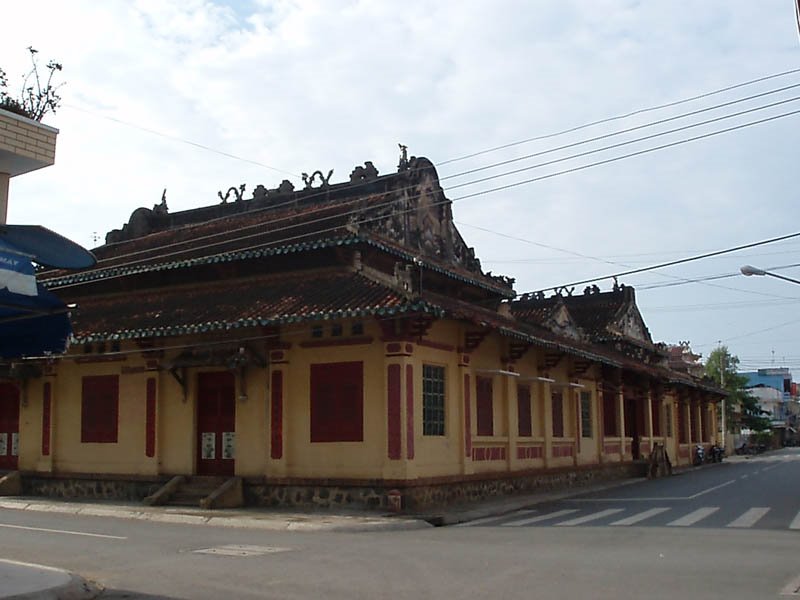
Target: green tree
<point>741,408</point>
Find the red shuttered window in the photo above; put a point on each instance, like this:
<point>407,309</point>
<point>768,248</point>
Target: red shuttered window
<point>558,414</point>
<point>484,406</point>
<point>99,409</point>
<point>524,413</point>
<point>337,402</point>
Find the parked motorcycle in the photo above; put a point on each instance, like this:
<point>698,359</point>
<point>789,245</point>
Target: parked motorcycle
<point>699,455</point>
<point>716,453</point>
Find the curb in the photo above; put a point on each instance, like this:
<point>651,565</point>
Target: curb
<point>334,523</point>
<point>74,587</point>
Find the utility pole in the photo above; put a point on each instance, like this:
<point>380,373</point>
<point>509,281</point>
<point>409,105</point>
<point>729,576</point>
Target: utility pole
<point>722,385</point>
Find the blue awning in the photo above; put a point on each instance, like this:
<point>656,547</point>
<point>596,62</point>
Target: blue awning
<point>46,247</point>
<point>33,325</point>
<point>33,321</point>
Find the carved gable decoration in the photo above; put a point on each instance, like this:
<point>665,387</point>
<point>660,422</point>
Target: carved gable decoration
<point>561,322</point>
<point>630,324</point>
<point>420,217</point>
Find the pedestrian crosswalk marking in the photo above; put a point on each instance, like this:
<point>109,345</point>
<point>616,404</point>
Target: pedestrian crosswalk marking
<point>795,524</point>
<point>591,517</point>
<point>530,520</point>
<point>640,516</point>
<point>749,517</point>
<point>694,516</point>
<point>492,518</point>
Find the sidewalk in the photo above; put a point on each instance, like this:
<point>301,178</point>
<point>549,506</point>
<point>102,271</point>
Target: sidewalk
<point>253,518</point>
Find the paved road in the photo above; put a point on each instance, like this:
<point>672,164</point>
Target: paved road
<point>706,560</point>
<point>762,492</point>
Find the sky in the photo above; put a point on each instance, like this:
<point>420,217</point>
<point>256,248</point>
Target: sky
<point>197,96</point>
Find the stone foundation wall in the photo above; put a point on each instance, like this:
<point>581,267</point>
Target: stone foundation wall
<point>413,496</point>
<point>417,497</point>
<point>89,488</point>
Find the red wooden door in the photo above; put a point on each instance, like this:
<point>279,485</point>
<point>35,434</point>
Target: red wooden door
<point>9,426</point>
<point>216,423</point>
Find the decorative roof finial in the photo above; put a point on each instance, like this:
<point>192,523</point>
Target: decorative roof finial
<point>403,164</point>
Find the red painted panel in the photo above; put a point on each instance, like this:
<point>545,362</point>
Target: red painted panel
<point>276,416</point>
<point>484,406</point>
<point>150,419</point>
<point>562,451</point>
<point>393,425</point>
<point>611,448</point>
<point>467,418</point>
<point>216,416</point>
<point>530,452</point>
<point>46,399</point>
<point>409,411</point>
<point>9,423</point>
<point>337,402</point>
<point>481,454</point>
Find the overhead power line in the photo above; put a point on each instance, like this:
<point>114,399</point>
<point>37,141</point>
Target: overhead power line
<point>624,116</point>
<point>629,142</point>
<point>638,128</point>
<point>484,192</point>
<point>678,262</point>
<point>258,226</point>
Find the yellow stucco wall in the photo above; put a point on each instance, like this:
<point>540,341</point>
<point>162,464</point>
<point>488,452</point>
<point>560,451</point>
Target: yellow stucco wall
<point>434,455</point>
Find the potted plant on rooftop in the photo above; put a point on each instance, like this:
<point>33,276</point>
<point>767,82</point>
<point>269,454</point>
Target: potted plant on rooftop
<point>38,96</point>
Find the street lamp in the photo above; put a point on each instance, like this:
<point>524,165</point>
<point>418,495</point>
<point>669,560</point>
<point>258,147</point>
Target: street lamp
<point>749,270</point>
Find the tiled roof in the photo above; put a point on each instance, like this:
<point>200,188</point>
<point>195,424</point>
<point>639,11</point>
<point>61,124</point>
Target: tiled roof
<point>593,313</point>
<point>57,280</point>
<point>234,304</point>
<point>253,234</point>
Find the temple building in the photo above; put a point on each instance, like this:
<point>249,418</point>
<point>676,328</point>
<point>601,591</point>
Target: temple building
<point>338,344</point>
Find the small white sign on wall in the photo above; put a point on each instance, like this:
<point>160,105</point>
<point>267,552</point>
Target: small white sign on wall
<point>228,444</point>
<point>14,444</point>
<point>3,444</point>
<point>208,449</point>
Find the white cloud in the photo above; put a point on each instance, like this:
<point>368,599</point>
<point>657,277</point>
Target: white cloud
<point>301,86</point>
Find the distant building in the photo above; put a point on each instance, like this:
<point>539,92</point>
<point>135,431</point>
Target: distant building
<point>777,397</point>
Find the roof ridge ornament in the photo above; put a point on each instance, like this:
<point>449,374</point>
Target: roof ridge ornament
<point>309,181</point>
<point>236,192</point>
<point>402,165</point>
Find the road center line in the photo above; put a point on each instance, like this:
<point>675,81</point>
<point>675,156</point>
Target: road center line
<point>655,498</point>
<point>83,533</point>
<point>711,489</point>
